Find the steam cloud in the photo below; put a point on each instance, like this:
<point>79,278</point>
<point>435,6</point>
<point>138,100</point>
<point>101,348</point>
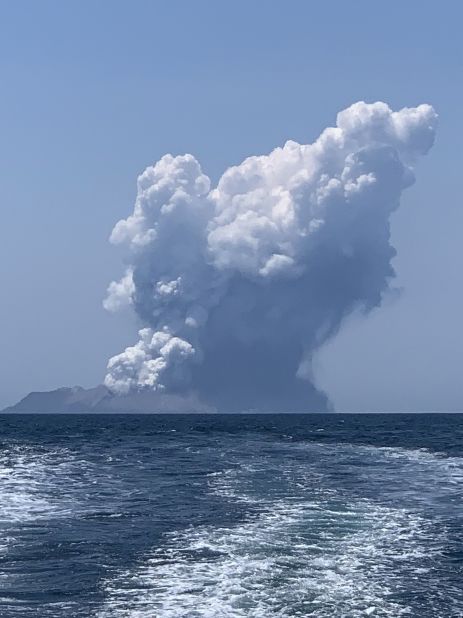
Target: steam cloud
<point>238,286</point>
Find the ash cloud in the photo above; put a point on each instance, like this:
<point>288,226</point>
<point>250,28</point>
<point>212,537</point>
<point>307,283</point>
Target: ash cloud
<point>237,286</point>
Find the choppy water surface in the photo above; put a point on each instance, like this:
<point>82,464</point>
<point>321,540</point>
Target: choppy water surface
<point>229,516</point>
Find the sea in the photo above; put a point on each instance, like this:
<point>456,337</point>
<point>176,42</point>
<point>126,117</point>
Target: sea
<point>228,516</point>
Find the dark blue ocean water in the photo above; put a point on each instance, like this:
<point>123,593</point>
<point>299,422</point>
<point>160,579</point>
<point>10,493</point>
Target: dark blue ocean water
<point>229,516</point>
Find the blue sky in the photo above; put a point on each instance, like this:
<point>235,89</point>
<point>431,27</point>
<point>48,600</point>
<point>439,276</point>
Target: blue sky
<point>94,92</point>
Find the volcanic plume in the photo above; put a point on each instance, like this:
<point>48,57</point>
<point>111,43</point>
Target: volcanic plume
<point>236,287</point>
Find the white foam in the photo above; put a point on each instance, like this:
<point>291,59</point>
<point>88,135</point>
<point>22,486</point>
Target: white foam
<point>40,485</point>
<point>316,551</point>
<point>33,484</point>
<point>273,567</point>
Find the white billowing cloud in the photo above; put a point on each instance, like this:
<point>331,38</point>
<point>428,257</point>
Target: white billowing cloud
<point>174,188</point>
<point>120,293</point>
<point>155,361</point>
<point>243,282</point>
<point>274,205</point>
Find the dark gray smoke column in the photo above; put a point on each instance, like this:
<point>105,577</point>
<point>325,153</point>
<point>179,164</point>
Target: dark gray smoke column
<point>238,286</point>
